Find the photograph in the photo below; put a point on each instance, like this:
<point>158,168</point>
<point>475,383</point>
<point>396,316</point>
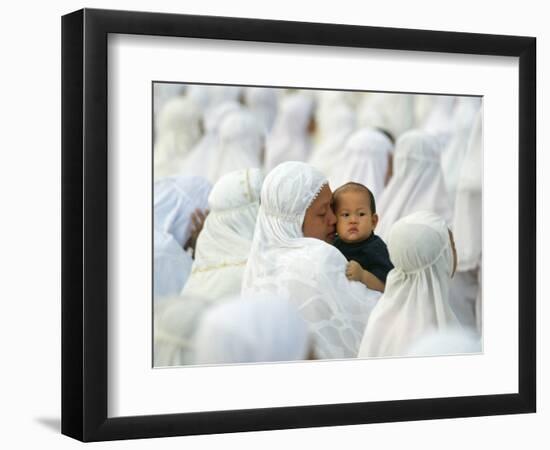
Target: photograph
<point>298,224</point>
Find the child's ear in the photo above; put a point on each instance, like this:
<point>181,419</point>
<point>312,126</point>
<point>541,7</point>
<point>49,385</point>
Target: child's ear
<point>374,220</point>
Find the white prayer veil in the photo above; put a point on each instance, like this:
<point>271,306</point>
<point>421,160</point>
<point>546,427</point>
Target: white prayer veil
<point>178,131</point>
<point>417,182</point>
<point>289,139</point>
<point>203,155</point>
<point>241,145</point>
<point>175,199</point>
<point>263,328</point>
<point>224,243</point>
<point>263,103</point>
<point>308,272</point>
<point>416,297</point>
<point>363,159</point>
<point>171,266</point>
<point>335,125</point>
<point>176,320</point>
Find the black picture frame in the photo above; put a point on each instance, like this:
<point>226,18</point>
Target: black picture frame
<point>84,224</point>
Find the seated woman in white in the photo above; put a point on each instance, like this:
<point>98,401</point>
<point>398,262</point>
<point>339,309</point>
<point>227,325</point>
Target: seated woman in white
<point>416,299</point>
<point>224,243</point>
<point>291,258</point>
<point>263,328</point>
<point>416,184</point>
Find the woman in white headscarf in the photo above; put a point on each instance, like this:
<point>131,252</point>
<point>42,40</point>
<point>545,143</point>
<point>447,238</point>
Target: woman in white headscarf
<point>416,298</point>
<point>290,257</point>
<point>290,138</point>
<point>262,102</point>
<point>177,132</point>
<point>335,125</point>
<point>175,200</point>
<point>263,328</point>
<point>465,289</point>
<point>224,243</point>
<point>417,182</point>
<point>204,153</point>
<point>241,145</point>
<point>363,159</point>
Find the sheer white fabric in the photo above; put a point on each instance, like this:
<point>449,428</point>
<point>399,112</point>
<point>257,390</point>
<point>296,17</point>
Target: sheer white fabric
<point>175,199</point>
<point>241,145</point>
<point>336,123</point>
<point>393,113</point>
<point>224,243</point>
<point>417,182</point>
<point>416,298</point>
<point>203,155</point>
<point>178,131</point>
<point>171,266</point>
<point>289,139</point>
<point>307,271</point>
<point>448,342</point>
<point>246,330</point>
<point>263,104</point>
<point>363,159</point>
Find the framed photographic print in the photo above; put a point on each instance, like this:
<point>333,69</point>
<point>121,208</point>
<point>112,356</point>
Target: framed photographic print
<point>186,137</point>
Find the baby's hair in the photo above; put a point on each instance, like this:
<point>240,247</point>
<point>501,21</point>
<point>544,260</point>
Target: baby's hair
<point>353,187</point>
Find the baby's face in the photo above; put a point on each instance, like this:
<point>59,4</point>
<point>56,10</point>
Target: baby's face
<point>355,221</point>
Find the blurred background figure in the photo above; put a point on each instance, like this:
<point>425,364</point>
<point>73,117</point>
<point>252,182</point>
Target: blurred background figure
<point>263,103</point>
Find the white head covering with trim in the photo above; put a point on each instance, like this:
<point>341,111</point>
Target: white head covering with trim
<point>308,272</point>
<point>363,159</point>
<point>175,200</point>
<point>289,139</point>
<point>224,243</point>
<point>416,297</point>
<point>417,182</point>
<point>247,330</point>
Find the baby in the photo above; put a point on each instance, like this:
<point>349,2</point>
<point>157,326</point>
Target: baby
<point>369,260</point>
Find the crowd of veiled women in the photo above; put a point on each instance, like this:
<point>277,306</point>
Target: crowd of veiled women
<point>238,172</point>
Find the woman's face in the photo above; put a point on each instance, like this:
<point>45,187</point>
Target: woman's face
<point>320,221</point>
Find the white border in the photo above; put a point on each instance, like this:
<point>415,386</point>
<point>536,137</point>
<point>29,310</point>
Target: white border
<point>136,389</point>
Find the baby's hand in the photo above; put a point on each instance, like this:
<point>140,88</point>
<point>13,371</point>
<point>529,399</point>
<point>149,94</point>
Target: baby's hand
<point>354,271</point>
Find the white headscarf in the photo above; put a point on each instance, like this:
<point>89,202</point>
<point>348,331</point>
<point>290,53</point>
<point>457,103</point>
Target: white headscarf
<point>308,272</point>
<point>175,199</point>
<point>289,139</point>
<point>390,112</point>
<point>204,154</point>
<point>224,243</point>
<point>467,217</point>
<point>263,104</point>
<point>241,145</point>
<point>416,297</point>
<point>246,330</point>
<point>171,266</point>
<point>363,159</point>
<point>177,132</point>
<point>335,125</point>
<point>417,183</point>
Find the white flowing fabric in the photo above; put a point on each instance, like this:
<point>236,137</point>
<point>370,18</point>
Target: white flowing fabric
<point>289,139</point>
<point>224,243</point>
<point>335,125</point>
<point>263,103</point>
<point>363,159</point>
<point>171,266</point>
<point>393,113</point>
<point>417,183</point>
<point>175,199</point>
<point>246,330</point>
<point>416,298</point>
<point>241,145</point>
<point>448,342</point>
<point>176,320</point>
<point>178,131</point>
<point>308,272</point>
<point>203,155</point>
